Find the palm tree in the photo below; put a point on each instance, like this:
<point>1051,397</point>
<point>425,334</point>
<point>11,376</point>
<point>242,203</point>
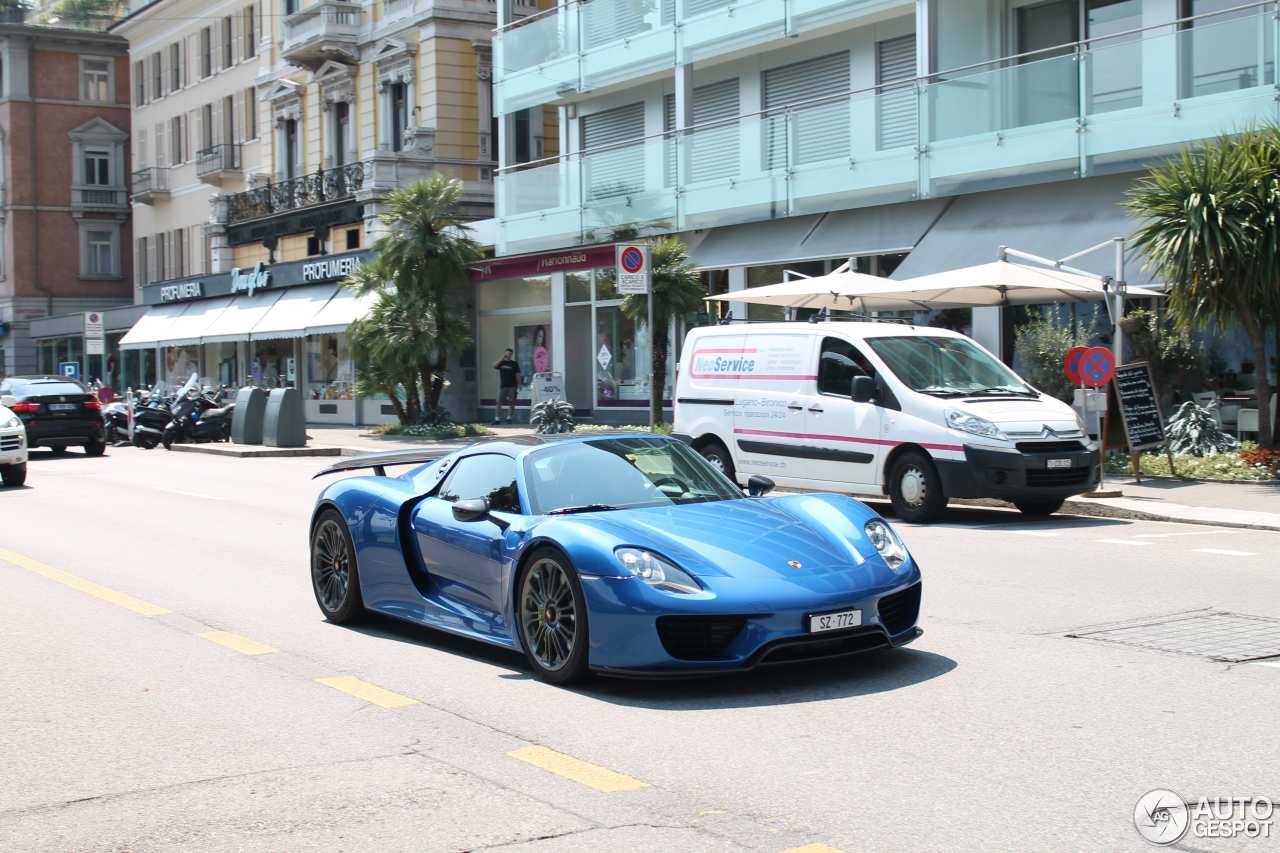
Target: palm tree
<point>419,273</point>
<point>677,292</point>
<point>1209,228</point>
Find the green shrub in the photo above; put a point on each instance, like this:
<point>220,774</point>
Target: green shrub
<point>553,416</point>
<point>1041,347</point>
<point>1194,431</point>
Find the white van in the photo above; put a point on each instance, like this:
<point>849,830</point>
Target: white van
<point>874,408</point>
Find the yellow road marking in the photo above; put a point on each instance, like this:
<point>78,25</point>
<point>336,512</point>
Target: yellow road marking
<point>119,599</point>
<point>814,848</point>
<point>600,778</point>
<point>237,643</point>
<point>370,693</point>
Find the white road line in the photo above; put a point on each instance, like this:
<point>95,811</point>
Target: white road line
<point>1045,534</point>
<point>1128,542</point>
<point>1226,552</point>
<point>1273,663</point>
<point>188,494</point>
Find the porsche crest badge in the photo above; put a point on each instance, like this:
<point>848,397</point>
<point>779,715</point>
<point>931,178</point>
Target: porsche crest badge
<point>795,564</point>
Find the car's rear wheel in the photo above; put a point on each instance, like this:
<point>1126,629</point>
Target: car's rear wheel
<point>95,448</point>
<point>915,489</point>
<point>334,577</point>
<point>718,455</point>
<point>553,618</point>
<point>13,475</point>
<point>1039,507</point>
<point>58,449</point>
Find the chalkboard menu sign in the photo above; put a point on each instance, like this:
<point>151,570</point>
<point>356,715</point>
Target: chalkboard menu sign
<point>1139,406</point>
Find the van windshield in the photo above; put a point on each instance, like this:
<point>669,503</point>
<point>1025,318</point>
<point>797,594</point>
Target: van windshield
<point>948,367</point>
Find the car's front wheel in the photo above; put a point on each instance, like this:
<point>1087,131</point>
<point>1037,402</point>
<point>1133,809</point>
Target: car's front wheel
<point>915,489</point>
<point>334,577</point>
<point>1039,507</point>
<point>14,475</point>
<point>553,618</point>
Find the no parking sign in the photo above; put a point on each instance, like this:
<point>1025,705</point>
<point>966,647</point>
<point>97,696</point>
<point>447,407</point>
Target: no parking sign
<point>633,268</point>
<point>1092,366</point>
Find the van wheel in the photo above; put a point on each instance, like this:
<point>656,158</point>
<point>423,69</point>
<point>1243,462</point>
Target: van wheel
<point>1039,507</point>
<point>915,488</point>
<point>718,455</point>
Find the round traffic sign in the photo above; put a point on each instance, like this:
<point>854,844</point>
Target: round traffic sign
<point>1072,363</point>
<point>1097,367</point>
<point>632,259</point>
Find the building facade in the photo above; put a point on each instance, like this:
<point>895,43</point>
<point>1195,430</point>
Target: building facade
<point>309,115</point>
<point>64,216</point>
<point>791,136</point>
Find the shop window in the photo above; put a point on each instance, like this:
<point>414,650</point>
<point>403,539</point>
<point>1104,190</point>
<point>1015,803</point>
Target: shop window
<point>533,291</point>
<point>606,287</point>
<point>577,286</point>
<point>763,276</point>
<point>527,334</point>
<point>330,373</point>
<point>179,363</point>
<point>622,360</point>
<point>221,364</point>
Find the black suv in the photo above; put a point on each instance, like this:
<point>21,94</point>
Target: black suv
<point>58,412</point>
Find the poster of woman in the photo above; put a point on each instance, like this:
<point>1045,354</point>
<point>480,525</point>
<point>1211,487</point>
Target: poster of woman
<point>532,351</point>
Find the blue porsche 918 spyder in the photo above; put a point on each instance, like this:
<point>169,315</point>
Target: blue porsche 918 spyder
<point>613,553</point>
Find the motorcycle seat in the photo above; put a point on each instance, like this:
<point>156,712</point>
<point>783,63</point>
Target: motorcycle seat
<point>217,413</point>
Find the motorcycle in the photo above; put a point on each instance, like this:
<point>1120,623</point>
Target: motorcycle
<point>198,417</point>
<point>150,416</point>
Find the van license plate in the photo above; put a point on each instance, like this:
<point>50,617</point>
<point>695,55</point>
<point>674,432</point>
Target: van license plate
<point>1059,463</point>
<point>835,621</point>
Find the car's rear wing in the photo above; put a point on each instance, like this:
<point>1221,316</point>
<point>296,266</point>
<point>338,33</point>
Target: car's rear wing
<point>380,461</point>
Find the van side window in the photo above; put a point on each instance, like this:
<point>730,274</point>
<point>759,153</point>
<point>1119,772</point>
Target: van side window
<point>839,363</point>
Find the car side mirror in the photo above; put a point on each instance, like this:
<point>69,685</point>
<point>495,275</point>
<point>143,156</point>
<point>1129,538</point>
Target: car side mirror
<point>759,485</point>
<point>474,509</point>
<point>863,389</point>
<point>8,400</point>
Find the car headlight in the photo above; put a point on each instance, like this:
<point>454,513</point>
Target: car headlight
<point>887,543</point>
<point>10,423</point>
<point>658,572</point>
<point>966,422</point>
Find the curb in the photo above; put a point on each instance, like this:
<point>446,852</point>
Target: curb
<point>1090,509</point>
<point>244,451</point>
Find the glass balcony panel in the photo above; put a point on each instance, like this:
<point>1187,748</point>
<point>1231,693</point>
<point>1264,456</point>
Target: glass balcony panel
<point>538,207</point>
<point>623,39</point>
<point>714,27</point>
<point>854,151</point>
<point>623,189</point>
<point>1227,67</point>
<point>1000,127</point>
<point>725,174</point>
<point>807,15</point>
<point>536,61</point>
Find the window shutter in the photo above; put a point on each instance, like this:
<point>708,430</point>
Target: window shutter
<point>166,69</point>
<point>713,151</point>
<point>143,158</point>
<point>819,132</point>
<point>218,128</point>
<point>162,153</point>
<point>139,259</point>
<point>182,63</point>
<point>198,135</point>
<point>237,110</point>
<point>620,169</point>
<point>606,22</point>
<point>153,263</point>
<point>237,37</point>
<point>215,44</point>
<point>896,105</point>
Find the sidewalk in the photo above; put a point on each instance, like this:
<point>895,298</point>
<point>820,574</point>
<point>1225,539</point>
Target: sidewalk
<point>1251,505</point>
<point>364,440</point>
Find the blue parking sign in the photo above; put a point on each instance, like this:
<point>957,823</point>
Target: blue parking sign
<point>70,369</point>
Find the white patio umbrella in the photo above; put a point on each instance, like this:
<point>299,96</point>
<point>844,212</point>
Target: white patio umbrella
<point>1005,283</point>
<point>836,290</point>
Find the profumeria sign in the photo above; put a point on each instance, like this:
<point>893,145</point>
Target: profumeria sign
<point>330,268</point>
<point>181,291</point>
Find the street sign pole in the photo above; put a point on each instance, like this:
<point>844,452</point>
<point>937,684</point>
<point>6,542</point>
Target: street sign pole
<point>634,275</point>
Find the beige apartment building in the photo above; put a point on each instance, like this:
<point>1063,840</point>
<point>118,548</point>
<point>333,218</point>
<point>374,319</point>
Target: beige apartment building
<point>269,135</point>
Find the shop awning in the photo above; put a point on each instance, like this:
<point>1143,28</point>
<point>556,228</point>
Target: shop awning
<point>289,317</point>
<point>757,243</point>
<point>1050,220</point>
<point>342,309</point>
<point>238,320</point>
<point>873,230</point>
<point>152,326</point>
<point>188,329</point>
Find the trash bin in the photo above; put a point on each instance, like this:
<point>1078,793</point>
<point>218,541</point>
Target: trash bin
<point>285,424</point>
<point>246,421</point>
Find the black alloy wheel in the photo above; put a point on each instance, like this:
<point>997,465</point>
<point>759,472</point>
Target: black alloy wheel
<point>334,577</point>
<point>553,618</point>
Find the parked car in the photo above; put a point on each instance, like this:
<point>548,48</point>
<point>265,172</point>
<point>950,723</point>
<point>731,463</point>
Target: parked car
<point>13,448</point>
<point>873,408</point>
<point>619,554</point>
<point>57,412</point>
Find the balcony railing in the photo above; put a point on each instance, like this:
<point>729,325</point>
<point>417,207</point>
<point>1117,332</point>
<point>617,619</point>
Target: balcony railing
<point>149,183</point>
<point>99,198</point>
<point>1107,105</point>
<point>587,44</point>
<point>317,188</point>
<point>316,32</point>
<point>217,162</point>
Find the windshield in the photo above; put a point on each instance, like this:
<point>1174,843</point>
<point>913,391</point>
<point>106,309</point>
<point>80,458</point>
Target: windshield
<point>621,473</point>
<point>947,367</point>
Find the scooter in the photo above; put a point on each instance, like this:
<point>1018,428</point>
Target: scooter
<point>150,415</point>
<point>197,417</point>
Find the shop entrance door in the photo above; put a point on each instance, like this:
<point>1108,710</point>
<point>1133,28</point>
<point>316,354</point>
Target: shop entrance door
<point>578,358</point>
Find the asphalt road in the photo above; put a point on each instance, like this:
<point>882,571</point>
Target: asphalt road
<point>167,683</point>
